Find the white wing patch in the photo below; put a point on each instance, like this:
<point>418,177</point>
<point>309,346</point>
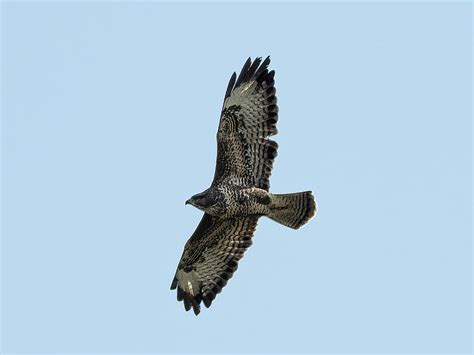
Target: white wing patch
<point>190,287</point>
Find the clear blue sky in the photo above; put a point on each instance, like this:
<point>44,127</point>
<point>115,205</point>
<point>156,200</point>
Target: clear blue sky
<point>109,117</point>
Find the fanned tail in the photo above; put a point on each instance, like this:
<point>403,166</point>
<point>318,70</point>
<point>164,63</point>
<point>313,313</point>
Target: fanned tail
<point>293,210</point>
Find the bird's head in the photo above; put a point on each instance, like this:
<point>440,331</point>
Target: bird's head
<point>201,201</point>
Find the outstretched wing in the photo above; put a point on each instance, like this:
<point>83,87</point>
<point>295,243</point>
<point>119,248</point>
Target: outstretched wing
<point>210,258</point>
<point>249,115</point>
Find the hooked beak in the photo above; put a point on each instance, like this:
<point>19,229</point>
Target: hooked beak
<point>188,202</point>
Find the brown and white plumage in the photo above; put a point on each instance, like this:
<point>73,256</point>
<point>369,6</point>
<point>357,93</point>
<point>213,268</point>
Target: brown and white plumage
<point>210,258</point>
<point>249,115</point>
<point>238,195</point>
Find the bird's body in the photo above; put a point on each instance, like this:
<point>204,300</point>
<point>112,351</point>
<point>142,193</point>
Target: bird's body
<point>231,201</point>
<point>239,194</point>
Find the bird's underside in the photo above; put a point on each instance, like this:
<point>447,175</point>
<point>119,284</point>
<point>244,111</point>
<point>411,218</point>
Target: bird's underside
<point>239,194</point>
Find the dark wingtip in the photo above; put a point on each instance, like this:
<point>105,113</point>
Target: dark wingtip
<point>267,61</point>
<point>189,301</point>
<point>230,86</point>
<point>186,301</point>
<point>243,72</point>
<point>207,300</point>
<point>252,70</point>
<point>196,306</point>
<point>179,294</point>
<point>174,284</point>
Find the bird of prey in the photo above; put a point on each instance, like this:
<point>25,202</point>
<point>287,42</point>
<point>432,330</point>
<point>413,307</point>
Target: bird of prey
<point>239,193</point>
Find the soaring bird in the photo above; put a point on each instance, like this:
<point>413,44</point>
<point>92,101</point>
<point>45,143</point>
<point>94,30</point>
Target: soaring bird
<point>239,193</point>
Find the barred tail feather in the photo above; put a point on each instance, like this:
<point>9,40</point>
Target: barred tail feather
<point>292,210</point>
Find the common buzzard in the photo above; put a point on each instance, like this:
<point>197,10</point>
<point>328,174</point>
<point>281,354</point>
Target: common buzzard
<point>239,194</point>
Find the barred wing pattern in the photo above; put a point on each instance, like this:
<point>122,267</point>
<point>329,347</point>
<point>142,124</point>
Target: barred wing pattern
<point>210,258</point>
<point>249,115</point>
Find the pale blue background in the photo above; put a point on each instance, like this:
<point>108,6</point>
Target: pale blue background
<point>109,116</point>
